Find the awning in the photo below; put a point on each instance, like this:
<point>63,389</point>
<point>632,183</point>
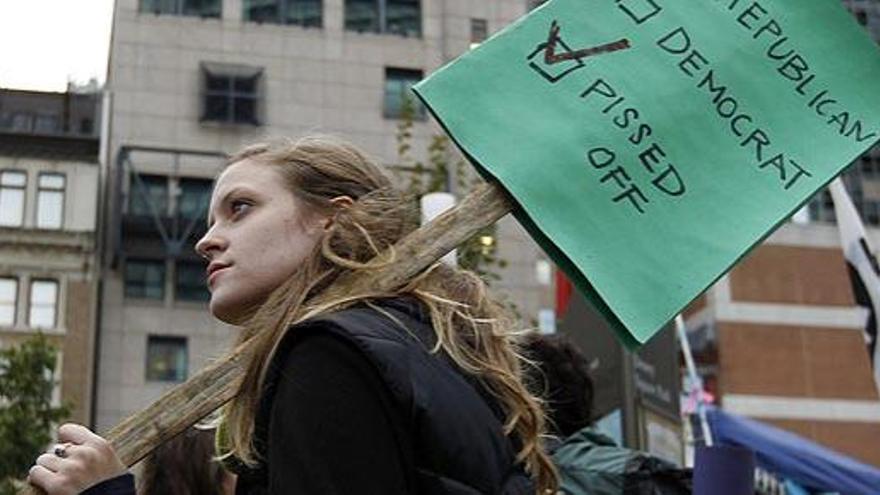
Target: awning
<point>794,457</point>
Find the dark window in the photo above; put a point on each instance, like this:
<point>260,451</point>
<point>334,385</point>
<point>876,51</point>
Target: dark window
<point>300,12</point>
<point>533,4</point>
<point>166,358</point>
<point>145,279</point>
<point>401,17</point>
<point>47,124</point>
<point>399,98</point>
<point>148,193</point>
<point>191,283</point>
<point>195,194</point>
<point>479,31</point>
<point>86,126</point>
<point>231,93</point>
<point>862,181</point>
<point>197,8</point>
<point>22,122</point>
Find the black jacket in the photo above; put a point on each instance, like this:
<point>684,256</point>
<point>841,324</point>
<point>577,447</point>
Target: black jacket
<point>447,431</point>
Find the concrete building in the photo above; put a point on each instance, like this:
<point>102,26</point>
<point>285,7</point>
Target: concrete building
<point>49,188</point>
<point>192,80</point>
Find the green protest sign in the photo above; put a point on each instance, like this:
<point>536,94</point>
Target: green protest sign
<point>649,144</point>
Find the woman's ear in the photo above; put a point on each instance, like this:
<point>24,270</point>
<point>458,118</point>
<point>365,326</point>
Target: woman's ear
<point>339,203</point>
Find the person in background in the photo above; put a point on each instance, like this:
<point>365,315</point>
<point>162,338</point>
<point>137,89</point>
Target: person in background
<point>186,465</point>
<point>588,461</point>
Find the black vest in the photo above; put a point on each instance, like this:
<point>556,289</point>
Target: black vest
<point>454,426</point>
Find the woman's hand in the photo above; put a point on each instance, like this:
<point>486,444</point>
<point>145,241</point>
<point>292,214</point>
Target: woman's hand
<point>80,459</point>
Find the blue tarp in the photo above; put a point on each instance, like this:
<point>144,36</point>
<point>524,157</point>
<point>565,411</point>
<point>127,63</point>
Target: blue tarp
<point>791,456</point>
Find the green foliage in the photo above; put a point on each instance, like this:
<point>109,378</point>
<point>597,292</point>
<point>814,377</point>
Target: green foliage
<point>27,376</point>
<point>445,171</point>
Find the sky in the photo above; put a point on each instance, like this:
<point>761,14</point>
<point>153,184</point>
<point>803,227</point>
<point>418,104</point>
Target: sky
<point>46,43</point>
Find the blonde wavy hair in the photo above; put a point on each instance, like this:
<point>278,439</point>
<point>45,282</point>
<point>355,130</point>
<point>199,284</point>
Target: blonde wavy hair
<point>471,327</point>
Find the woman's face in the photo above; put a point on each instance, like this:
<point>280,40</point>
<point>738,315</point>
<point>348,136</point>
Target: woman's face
<point>258,234</point>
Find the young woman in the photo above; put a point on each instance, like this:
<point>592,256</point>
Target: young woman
<point>414,390</point>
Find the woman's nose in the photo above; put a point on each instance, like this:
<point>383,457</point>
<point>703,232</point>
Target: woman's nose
<point>209,245</point>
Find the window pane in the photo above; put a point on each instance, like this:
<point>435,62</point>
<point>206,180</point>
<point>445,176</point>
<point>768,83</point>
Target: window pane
<point>51,181</point>
<point>145,279</point>
<point>397,90</point>
<point>245,111</point>
<point>11,206</point>
<point>146,190</point>
<point>195,194</point>
<point>403,17</point>
<point>47,124</point>
<point>50,209</point>
<point>304,12</point>
<point>362,15</point>
<point>202,8</point>
<point>166,359</point>
<point>247,85</point>
<point>261,10</point>
<point>13,178</point>
<point>44,295</point>
<point>159,6</point>
<point>217,108</point>
<point>219,83</point>
<point>8,298</point>
<point>22,122</point>
<point>479,30</point>
<point>192,285</point>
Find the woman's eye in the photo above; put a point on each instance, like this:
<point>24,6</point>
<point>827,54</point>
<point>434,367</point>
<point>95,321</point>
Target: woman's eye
<point>238,206</point>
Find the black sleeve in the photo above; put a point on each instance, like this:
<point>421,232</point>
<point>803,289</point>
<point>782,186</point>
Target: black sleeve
<point>120,485</point>
<point>333,428</point>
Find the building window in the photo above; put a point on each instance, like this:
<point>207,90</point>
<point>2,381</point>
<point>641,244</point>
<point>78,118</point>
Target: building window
<point>231,94</point>
<point>299,12</point>
<point>533,4</point>
<point>50,200</point>
<point>22,122</point>
<point>195,195</point>
<point>47,124</point>
<point>479,31</point>
<point>197,8</point>
<point>148,193</point>
<point>399,98</point>
<point>44,300</point>
<point>401,17</point>
<point>8,300</point>
<point>191,283</point>
<point>12,185</point>
<point>145,279</point>
<point>166,358</point>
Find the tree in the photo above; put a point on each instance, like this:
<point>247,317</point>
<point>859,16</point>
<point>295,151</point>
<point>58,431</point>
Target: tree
<point>27,376</point>
<point>445,171</point>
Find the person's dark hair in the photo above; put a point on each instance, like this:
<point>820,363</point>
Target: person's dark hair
<point>562,379</point>
<point>184,465</point>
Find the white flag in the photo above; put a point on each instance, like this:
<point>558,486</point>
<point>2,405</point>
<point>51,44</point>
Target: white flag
<point>863,270</point>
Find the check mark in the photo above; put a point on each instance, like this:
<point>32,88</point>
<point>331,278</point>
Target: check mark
<point>550,56</point>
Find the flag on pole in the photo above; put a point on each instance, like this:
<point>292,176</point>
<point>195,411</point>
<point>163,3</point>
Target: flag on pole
<point>863,269</point>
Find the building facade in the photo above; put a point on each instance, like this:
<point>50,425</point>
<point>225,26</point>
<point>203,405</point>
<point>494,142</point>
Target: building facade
<point>49,189</point>
<point>194,80</point>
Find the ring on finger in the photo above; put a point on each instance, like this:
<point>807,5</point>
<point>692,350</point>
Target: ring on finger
<point>60,450</point>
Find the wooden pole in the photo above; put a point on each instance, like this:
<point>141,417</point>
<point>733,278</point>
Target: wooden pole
<point>181,407</point>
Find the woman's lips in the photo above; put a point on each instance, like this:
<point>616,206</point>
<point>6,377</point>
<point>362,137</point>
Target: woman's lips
<point>214,275</point>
